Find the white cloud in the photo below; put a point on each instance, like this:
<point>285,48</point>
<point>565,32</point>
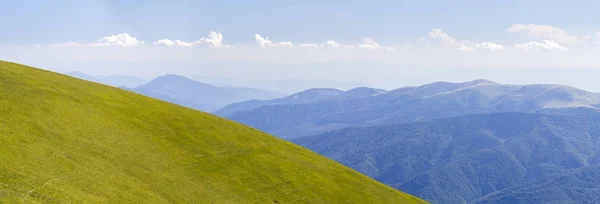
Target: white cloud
<point>465,48</point>
<point>265,42</point>
<point>364,42</point>
<point>444,38</point>
<point>168,42</point>
<point>262,42</point>
<point>331,44</point>
<point>122,40</point>
<point>368,43</point>
<point>214,40</point>
<point>310,45</point>
<point>184,44</point>
<point>448,41</point>
<point>489,46</point>
<point>547,32</point>
<point>119,40</point>
<point>328,44</point>
<point>544,45</point>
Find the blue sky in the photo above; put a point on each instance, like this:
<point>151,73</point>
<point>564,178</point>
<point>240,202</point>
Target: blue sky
<point>267,39</point>
<point>392,22</point>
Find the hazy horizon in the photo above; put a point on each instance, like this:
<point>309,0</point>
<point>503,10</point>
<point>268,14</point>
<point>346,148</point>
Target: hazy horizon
<point>399,43</point>
<point>377,75</point>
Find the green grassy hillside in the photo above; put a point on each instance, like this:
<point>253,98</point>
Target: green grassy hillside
<point>64,140</point>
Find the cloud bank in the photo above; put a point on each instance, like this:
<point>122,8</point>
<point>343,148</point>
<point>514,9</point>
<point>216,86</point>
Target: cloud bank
<point>489,46</point>
<point>265,42</point>
<point>544,45</point>
<point>538,37</point>
<point>214,40</point>
<point>547,32</point>
<point>119,40</point>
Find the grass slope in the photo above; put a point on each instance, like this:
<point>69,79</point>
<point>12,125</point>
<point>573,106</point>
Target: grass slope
<point>66,140</point>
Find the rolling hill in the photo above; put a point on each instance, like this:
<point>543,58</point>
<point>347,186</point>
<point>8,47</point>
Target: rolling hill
<point>197,95</point>
<point>65,140</point>
<point>488,158</point>
<point>427,102</point>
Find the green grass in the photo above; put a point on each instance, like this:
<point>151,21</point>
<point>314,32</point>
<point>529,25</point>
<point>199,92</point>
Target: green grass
<point>65,140</point>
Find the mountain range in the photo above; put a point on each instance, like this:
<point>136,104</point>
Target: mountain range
<point>197,95</point>
<point>487,158</point>
<point>66,140</point>
<point>281,86</point>
<point>307,96</point>
<point>366,106</point>
<point>471,142</point>
<point>182,90</point>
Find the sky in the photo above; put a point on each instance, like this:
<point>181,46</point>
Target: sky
<point>380,43</point>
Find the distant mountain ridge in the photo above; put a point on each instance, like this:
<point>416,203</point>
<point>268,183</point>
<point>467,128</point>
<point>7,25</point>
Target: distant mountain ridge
<point>282,86</point>
<point>356,93</point>
<point>307,96</point>
<point>471,142</point>
<point>184,91</point>
<point>430,101</point>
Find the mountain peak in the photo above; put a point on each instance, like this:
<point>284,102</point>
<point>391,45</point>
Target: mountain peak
<point>173,76</point>
<point>360,92</point>
<point>322,90</point>
<point>316,92</point>
<point>308,96</point>
<point>361,89</point>
<point>175,79</point>
<point>481,81</point>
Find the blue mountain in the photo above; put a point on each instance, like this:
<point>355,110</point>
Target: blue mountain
<point>488,158</point>
<point>359,107</point>
<point>183,91</point>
